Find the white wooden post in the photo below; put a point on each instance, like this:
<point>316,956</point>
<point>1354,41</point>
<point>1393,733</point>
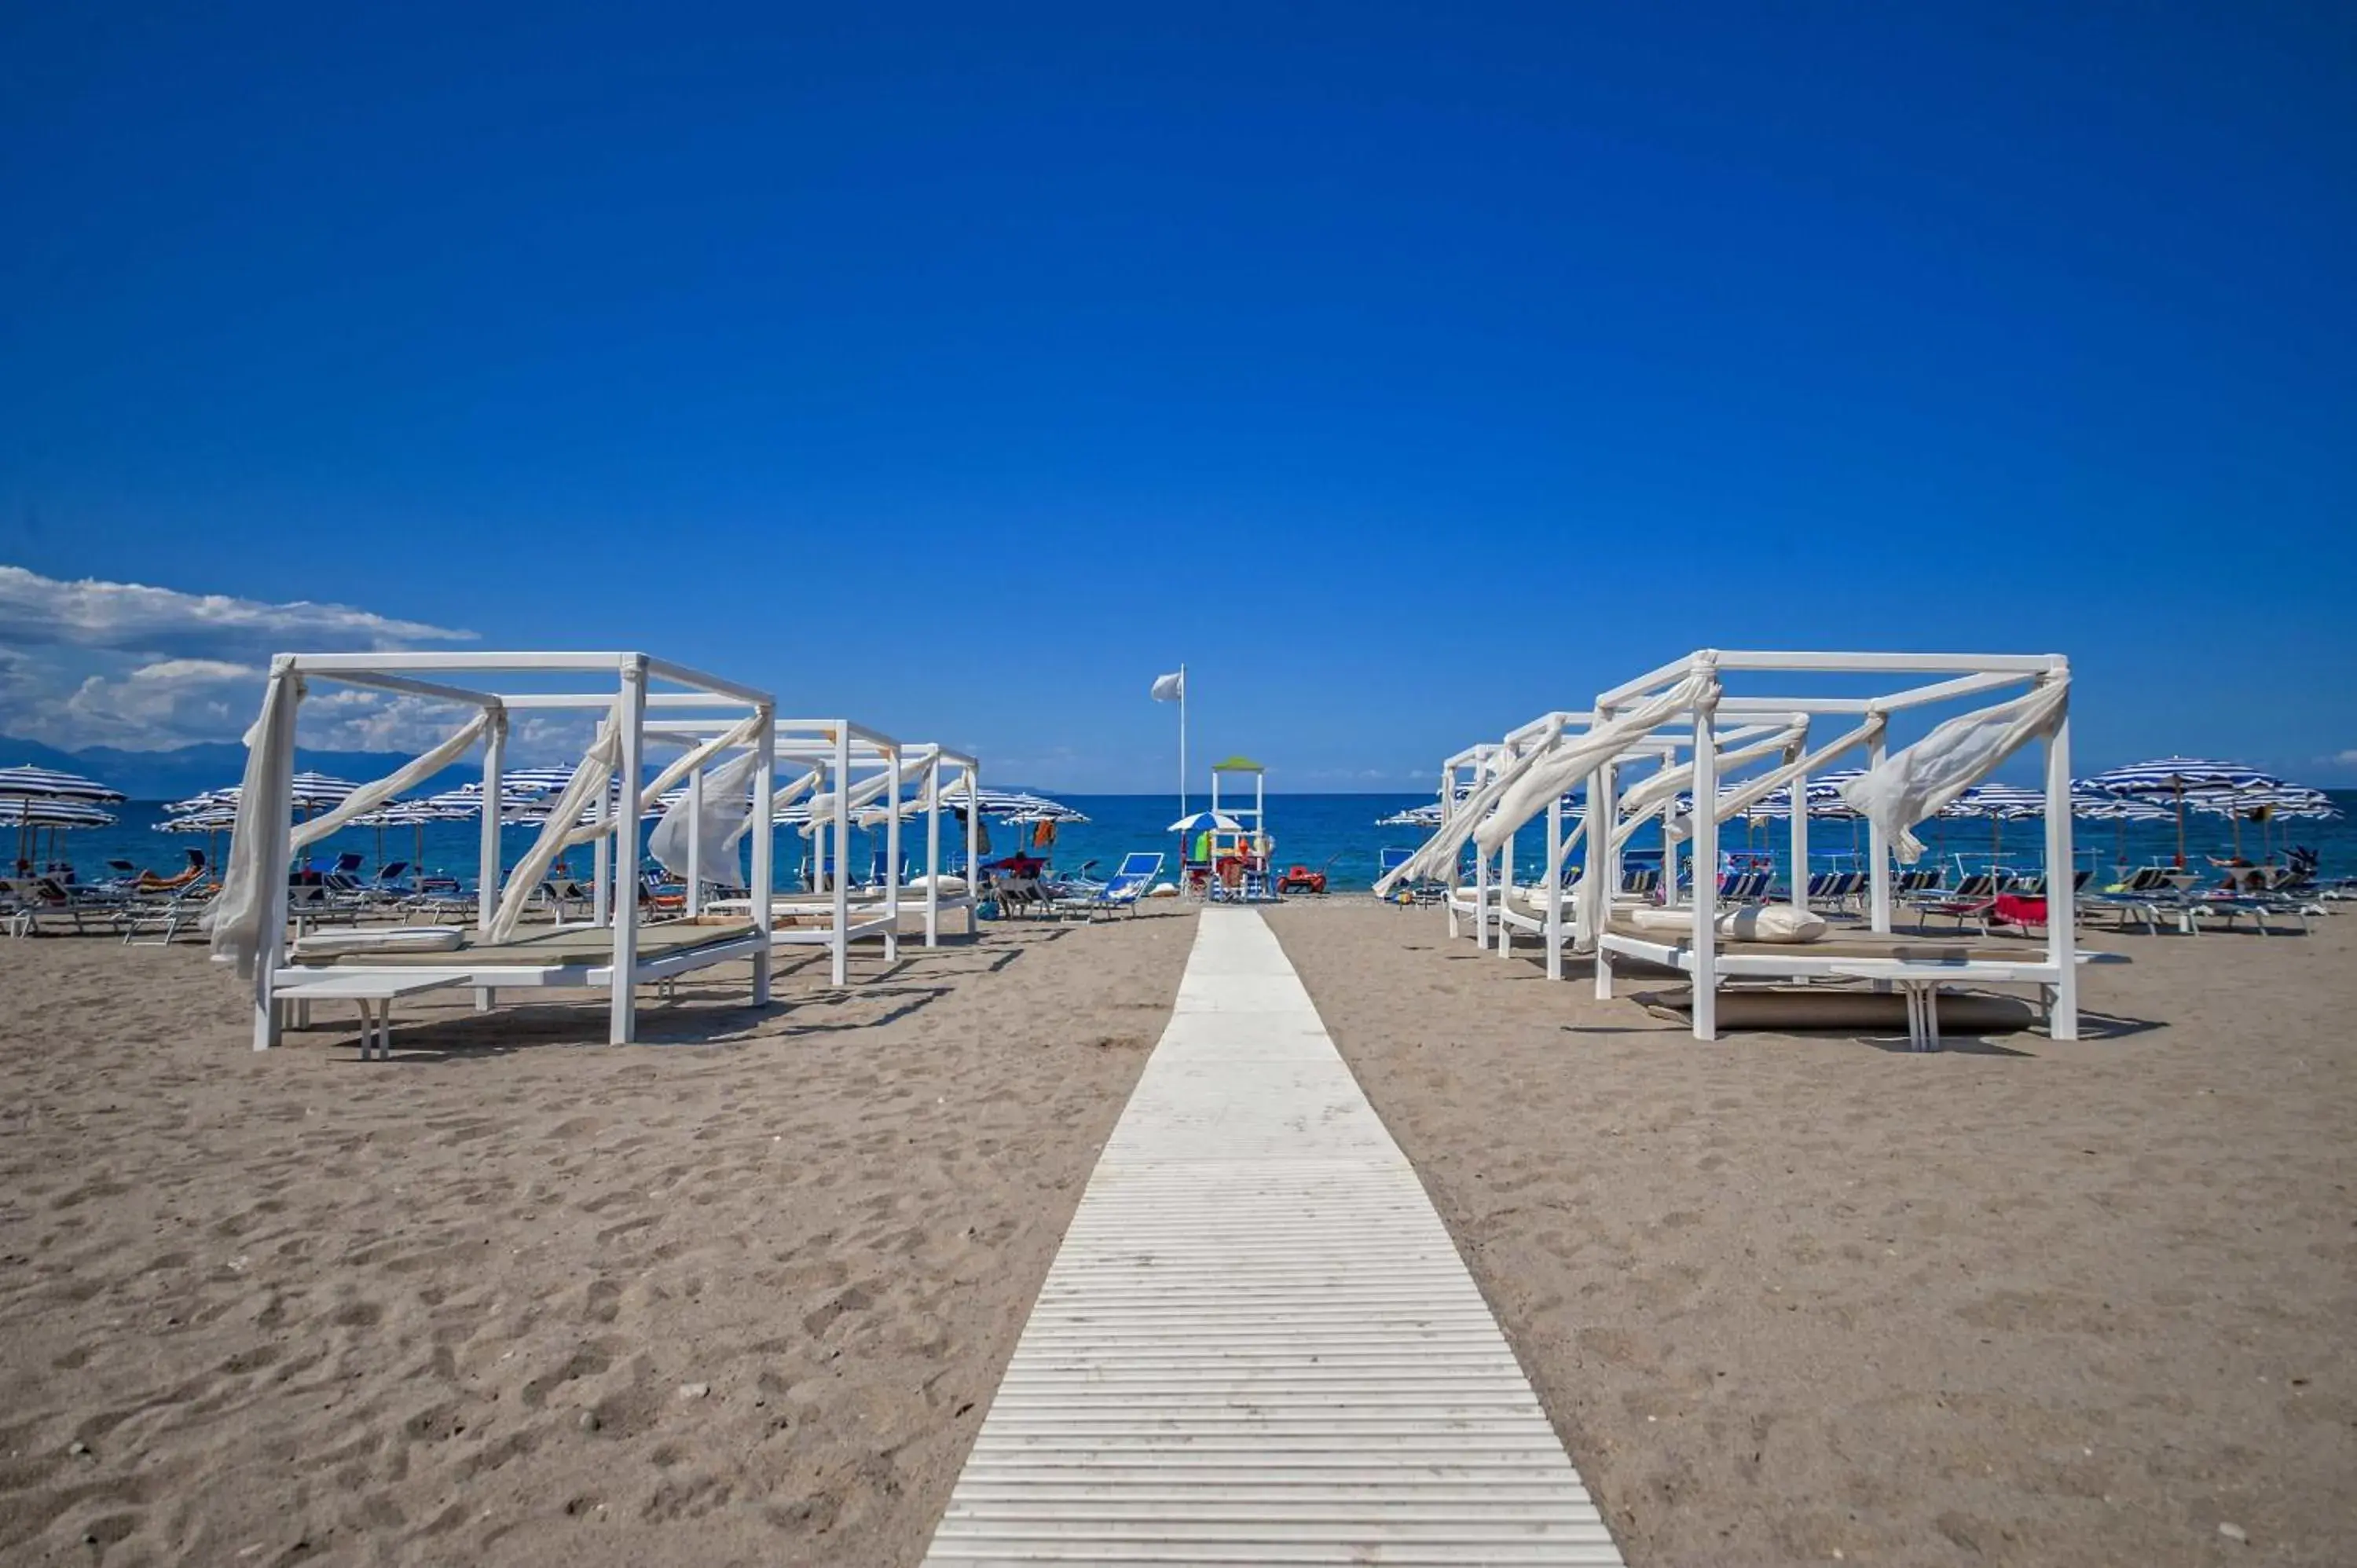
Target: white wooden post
<point>694,842</point>
<point>1553,885</point>
<point>892,857</point>
<point>1455,877</point>
<point>841,967</point>
<point>973,849</point>
<point>487,874</point>
<point>1877,846</point>
<point>277,864</point>
<point>1799,792</point>
<point>765,849</point>
<point>1668,857</point>
<point>601,859</point>
<point>933,851</point>
<point>1505,896</point>
<point>2061,892</point>
<point>1481,894</point>
<point>1596,903</point>
<point>631,714</point>
<point>1706,879</point>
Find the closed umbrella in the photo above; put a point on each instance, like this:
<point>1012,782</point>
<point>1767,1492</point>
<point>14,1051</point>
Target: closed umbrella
<point>2173,777</point>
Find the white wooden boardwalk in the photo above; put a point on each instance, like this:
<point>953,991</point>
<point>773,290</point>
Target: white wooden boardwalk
<point>1257,1343</point>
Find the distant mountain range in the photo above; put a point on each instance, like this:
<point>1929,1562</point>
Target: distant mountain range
<point>186,770</point>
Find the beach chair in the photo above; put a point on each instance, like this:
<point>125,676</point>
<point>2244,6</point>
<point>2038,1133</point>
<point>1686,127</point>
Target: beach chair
<point>1123,891</point>
<point>2141,896</point>
<point>161,915</point>
<point>1641,881</point>
<point>1017,895</point>
<point>563,894</point>
<point>1973,899</point>
<point>1425,890</point>
<point>148,882</point>
<point>1743,886</point>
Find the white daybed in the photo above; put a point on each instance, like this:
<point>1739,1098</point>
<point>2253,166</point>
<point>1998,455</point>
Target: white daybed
<point>248,919</point>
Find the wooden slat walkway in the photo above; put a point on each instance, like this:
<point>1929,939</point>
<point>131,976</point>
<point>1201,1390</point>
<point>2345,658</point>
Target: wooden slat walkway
<point>1257,1343</point>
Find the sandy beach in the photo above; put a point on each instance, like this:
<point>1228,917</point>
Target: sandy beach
<point>742,1293</point>
<point>1799,1299</point>
<point>512,1299</point>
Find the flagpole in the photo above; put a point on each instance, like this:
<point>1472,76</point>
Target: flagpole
<point>1182,741</point>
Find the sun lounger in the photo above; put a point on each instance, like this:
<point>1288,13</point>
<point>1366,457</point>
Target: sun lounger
<point>1123,891</point>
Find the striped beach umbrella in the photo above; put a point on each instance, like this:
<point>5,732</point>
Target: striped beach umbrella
<point>2262,804</point>
<point>30,783</point>
<point>31,817</point>
<point>2174,777</point>
<point>2094,805</point>
<point>55,814</point>
<point>28,787</point>
<point>1997,804</point>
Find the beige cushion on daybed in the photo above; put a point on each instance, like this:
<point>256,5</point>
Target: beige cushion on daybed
<point>399,939</point>
<point>1763,923</point>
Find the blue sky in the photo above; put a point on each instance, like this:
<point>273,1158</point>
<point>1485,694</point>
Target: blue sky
<point>1405,372</point>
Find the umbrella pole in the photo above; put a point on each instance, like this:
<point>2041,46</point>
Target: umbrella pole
<point>2180,792</point>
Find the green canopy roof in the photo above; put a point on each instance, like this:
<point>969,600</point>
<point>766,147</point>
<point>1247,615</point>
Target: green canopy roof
<point>1238,765</point>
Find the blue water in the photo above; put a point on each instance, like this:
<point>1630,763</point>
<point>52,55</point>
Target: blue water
<point>1336,832</point>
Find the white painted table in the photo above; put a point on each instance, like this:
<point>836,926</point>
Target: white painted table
<point>375,994</point>
<point>1922,988</point>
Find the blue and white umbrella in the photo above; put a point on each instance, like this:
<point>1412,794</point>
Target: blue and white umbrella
<point>30,783</point>
<point>31,791</point>
<point>2175,777</point>
<point>30,817</point>
<point>2262,804</point>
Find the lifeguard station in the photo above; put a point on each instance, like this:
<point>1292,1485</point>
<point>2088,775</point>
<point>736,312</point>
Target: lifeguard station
<point>1226,850</point>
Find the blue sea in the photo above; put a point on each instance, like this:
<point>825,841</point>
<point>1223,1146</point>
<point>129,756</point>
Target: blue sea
<point>1336,833</point>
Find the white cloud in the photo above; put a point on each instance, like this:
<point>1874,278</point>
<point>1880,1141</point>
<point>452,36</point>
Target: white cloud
<point>132,618</point>
<point>2344,759</point>
<point>94,663</point>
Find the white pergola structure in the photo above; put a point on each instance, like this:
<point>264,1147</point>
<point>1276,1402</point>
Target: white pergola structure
<point>1694,728</point>
<point>632,692</point>
<point>1555,921</point>
<point>1460,774</point>
<point>855,769</point>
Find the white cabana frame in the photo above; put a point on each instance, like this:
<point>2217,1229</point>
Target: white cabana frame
<point>1558,923</point>
<point>854,761</point>
<point>619,687</point>
<point>1963,675</point>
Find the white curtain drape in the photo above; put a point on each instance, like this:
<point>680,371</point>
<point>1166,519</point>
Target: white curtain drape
<point>822,809</point>
<point>1918,783</point>
<point>727,808</point>
<point>590,777</point>
<point>1640,801</point>
<point>1569,763</point>
<point>369,797</point>
<point>696,756</point>
<point>1434,856</point>
<point>1754,791</point>
<point>257,856</point>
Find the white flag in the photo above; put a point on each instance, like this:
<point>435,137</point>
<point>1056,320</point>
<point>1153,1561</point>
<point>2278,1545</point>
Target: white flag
<point>1170,688</point>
